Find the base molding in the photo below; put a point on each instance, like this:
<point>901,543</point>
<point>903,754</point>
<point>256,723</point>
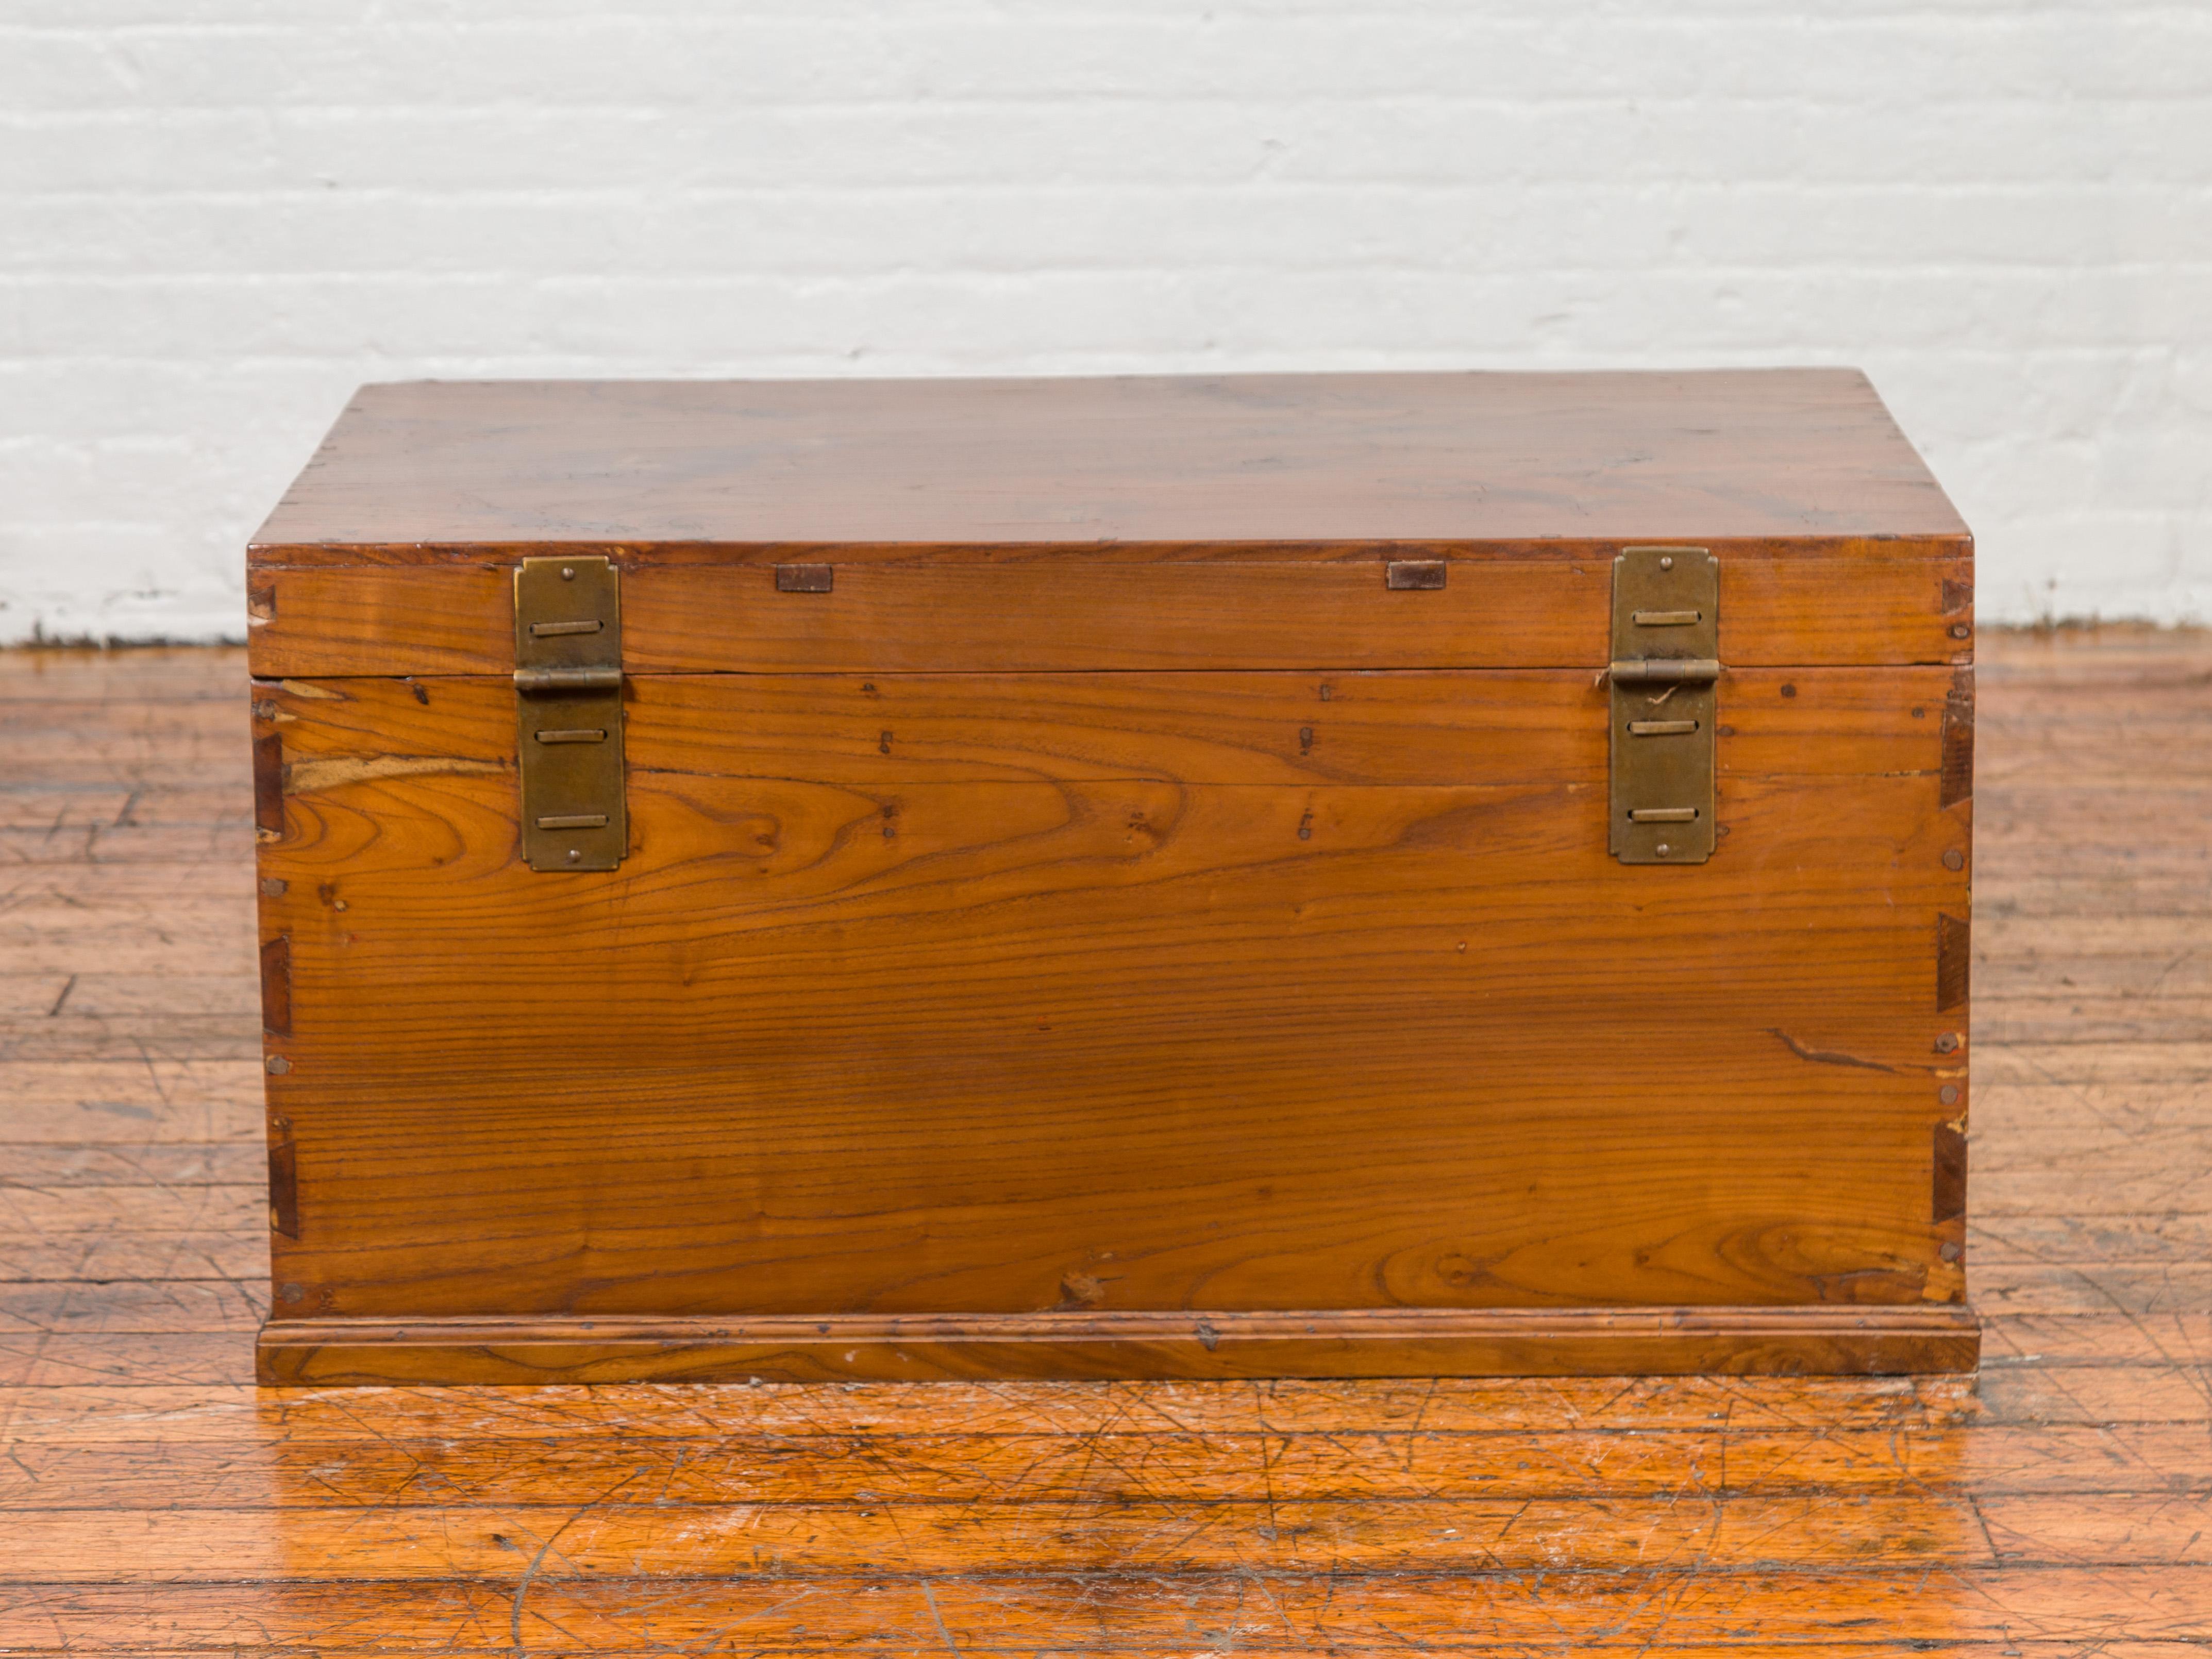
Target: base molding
<point>1383,1342</point>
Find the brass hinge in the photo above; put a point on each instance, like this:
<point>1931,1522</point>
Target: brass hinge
<point>1663,680</point>
<point>569,712</point>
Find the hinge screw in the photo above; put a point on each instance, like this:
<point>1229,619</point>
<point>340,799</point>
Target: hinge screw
<point>568,573</point>
<point>1666,564</point>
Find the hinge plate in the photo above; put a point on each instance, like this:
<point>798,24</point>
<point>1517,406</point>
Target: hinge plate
<point>1662,686</point>
<point>569,712</point>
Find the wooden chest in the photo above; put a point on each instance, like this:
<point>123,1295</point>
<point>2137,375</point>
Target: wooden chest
<point>1327,875</point>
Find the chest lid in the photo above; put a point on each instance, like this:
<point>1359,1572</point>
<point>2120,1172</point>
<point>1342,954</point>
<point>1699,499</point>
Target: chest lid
<point>1265,522</point>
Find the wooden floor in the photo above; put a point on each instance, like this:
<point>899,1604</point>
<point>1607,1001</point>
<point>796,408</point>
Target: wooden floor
<point>152,1501</point>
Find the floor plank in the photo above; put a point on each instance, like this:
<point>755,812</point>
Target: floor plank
<point>1556,1611</point>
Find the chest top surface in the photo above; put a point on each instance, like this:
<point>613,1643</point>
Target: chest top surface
<point>1749,455</point>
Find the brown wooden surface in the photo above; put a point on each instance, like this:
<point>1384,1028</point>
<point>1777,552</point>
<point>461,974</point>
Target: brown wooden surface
<point>1879,603</point>
<point>1360,1343</point>
<point>1133,523</point>
<point>152,1501</point>
<point>1112,994</point>
<point>976,957</point>
<point>1187,464</point>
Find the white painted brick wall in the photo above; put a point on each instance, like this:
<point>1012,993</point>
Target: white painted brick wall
<point>216,216</point>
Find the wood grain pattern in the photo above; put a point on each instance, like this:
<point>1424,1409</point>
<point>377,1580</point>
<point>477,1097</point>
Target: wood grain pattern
<point>1920,1608</point>
<point>1435,729</point>
<point>1138,925</point>
<point>650,1539</point>
<point>1866,603</point>
<point>530,1459</point>
<point>1368,1342</point>
<point>1298,459</point>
